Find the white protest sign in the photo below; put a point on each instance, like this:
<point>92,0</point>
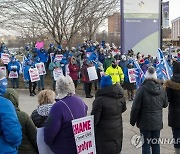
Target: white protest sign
<point>3,68</point>
<point>92,73</point>
<point>83,129</point>
<point>57,73</point>
<point>5,58</point>
<point>13,75</point>
<point>131,75</point>
<point>59,57</point>
<point>51,56</point>
<point>41,68</point>
<point>34,74</point>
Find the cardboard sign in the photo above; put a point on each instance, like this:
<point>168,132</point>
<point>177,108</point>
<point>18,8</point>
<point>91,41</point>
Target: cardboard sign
<point>34,74</point>
<point>3,68</point>
<point>13,75</point>
<point>5,58</point>
<point>131,75</point>
<point>83,129</point>
<point>92,73</point>
<point>41,68</point>
<point>59,57</point>
<point>57,73</point>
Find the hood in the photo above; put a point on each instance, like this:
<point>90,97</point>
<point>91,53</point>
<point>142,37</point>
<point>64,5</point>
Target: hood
<point>44,110</point>
<point>171,84</point>
<point>13,96</point>
<point>153,86</point>
<point>114,91</point>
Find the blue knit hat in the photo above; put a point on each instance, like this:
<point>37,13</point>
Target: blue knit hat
<point>106,81</point>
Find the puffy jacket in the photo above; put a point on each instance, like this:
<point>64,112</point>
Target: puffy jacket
<point>14,66</point>
<point>10,128</point>
<point>53,65</point>
<point>147,107</point>
<point>108,106</point>
<point>73,71</point>
<point>173,93</point>
<point>116,74</point>
<point>43,55</point>
<point>29,132</point>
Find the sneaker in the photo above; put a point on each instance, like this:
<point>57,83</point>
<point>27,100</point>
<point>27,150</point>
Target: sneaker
<point>31,94</point>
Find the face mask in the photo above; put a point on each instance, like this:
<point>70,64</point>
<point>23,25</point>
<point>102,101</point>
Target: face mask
<point>3,86</point>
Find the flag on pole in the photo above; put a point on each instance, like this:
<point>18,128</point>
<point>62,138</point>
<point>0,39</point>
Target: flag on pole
<point>140,76</point>
<point>163,69</point>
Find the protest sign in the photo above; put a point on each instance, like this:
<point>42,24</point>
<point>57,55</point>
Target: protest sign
<point>5,58</point>
<point>59,57</point>
<point>92,73</point>
<point>13,75</point>
<point>131,75</point>
<point>57,73</point>
<point>83,129</point>
<point>34,74</point>
<point>39,45</point>
<point>41,68</point>
<point>51,56</point>
<point>3,68</point>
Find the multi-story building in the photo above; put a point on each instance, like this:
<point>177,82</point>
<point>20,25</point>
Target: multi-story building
<point>114,23</point>
<point>176,29</point>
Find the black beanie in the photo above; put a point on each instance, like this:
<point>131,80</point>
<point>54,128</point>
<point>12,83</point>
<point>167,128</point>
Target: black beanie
<point>176,68</point>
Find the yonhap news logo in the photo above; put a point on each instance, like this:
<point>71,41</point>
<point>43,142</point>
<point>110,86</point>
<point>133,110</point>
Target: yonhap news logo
<point>137,140</point>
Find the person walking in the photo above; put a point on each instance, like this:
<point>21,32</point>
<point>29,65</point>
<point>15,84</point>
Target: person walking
<point>173,92</point>
<point>10,128</point>
<point>146,111</point>
<point>58,131</point>
<point>28,145</point>
<point>108,106</point>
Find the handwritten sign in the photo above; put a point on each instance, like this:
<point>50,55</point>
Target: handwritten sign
<point>59,57</point>
<point>131,75</point>
<point>5,58</point>
<point>83,129</point>
<point>92,73</point>
<point>3,68</point>
<point>34,74</point>
<point>13,75</point>
<point>41,68</point>
<point>57,73</point>
<point>51,56</point>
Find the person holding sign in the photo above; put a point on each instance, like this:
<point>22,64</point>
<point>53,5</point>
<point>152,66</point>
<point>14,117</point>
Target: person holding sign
<point>108,106</point>
<point>58,131</point>
<point>13,71</point>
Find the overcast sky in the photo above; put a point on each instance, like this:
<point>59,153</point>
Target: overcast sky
<point>174,9</point>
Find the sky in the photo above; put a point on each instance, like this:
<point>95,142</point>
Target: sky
<point>174,9</point>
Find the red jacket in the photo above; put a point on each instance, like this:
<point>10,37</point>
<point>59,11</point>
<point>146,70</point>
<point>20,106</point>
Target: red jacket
<point>73,71</point>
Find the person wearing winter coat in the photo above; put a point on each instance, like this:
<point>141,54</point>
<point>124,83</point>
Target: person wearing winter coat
<point>108,106</point>
<point>108,61</point>
<point>146,111</point>
<point>74,71</point>
<point>46,99</point>
<point>58,131</point>
<point>10,128</point>
<point>173,93</point>
<point>28,145</point>
<point>52,66</point>
<point>14,67</point>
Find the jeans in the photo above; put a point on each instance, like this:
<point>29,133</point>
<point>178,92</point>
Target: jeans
<point>149,146</point>
<point>41,82</point>
<point>176,136</point>
<point>15,82</point>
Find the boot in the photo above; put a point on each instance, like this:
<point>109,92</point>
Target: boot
<point>177,150</point>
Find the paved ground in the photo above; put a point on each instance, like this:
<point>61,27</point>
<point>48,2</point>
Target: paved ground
<point>28,104</point>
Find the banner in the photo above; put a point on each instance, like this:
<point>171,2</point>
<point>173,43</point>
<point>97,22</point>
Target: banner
<point>41,68</point>
<point>3,68</point>
<point>34,74</point>
<point>83,129</point>
<point>5,58</point>
<point>165,14</point>
<point>141,26</point>
<point>131,75</point>
<point>13,75</point>
<point>92,73</point>
<point>57,73</point>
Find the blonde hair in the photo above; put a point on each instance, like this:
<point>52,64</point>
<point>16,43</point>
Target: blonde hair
<point>46,97</point>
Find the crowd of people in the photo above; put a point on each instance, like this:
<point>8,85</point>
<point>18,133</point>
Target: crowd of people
<point>49,128</point>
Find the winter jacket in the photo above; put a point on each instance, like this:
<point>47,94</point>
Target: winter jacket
<point>107,63</point>
<point>58,132</point>
<point>10,128</point>
<point>116,74</point>
<point>173,93</point>
<point>147,106</point>
<point>28,145</point>
<point>54,65</point>
<point>14,66</point>
<point>84,73</point>
<point>108,106</point>
<point>43,55</point>
<point>73,71</point>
